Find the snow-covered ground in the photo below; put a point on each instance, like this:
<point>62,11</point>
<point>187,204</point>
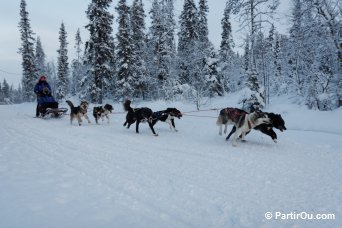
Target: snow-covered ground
<point>56,175</point>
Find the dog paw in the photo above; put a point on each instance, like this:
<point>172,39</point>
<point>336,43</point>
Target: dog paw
<point>156,135</point>
<point>275,140</point>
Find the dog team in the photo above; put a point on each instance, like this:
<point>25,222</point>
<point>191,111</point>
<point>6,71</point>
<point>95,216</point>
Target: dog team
<point>243,121</point>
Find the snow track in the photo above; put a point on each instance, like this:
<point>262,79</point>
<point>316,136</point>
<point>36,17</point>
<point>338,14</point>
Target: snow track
<point>56,175</point>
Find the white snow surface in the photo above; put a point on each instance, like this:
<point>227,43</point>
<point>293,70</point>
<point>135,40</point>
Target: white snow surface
<point>56,175</point>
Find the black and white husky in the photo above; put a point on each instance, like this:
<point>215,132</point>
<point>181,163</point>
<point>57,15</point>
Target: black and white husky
<point>167,116</point>
<point>101,112</point>
<point>243,121</point>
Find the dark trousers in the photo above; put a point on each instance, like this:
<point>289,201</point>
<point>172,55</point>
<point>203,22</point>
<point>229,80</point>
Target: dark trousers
<point>37,110</point>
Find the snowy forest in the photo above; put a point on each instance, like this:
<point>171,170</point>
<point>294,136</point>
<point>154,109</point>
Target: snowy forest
<point>173,58</point>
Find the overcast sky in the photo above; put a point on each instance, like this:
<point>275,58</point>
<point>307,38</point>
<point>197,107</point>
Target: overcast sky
<point>46,17</point>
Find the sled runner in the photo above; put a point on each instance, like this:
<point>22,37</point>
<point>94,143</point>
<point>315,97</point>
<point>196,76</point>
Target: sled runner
<point>54,112</point>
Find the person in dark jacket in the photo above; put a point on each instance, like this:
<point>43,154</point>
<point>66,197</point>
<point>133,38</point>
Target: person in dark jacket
<point>44,97</point>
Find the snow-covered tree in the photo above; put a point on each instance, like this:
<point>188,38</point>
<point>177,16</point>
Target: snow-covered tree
<point>227,43</point>
<point>26,50</point>
<point>1,94</point>
<point>124,52</point>
<point>169,54</point>
<point>161,49</point>
<point>139,46</point>
<point>100,49</point>
<point>226,54</point>
<point>253,98</point>
<point>188,36</point>
<point>5,89</point>
<point>77,68</point>
<point>52,75</point>
<point>40,58</point>
<point>63,65</point>
<point>246,55</point>
<point>252,13</point>
<point>203,31</point>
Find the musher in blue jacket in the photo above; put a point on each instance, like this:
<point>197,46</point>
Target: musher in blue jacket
<point>43,92</point>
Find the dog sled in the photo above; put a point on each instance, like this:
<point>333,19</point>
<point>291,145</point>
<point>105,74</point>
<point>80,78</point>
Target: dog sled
<point>48,108</point>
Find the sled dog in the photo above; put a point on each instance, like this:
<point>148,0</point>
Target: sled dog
<point>138,115</point>
<point>243,121</point>
<point>78,112</point>
<point>276,121</point>
<point>102,112</point>
<point>167,116</point>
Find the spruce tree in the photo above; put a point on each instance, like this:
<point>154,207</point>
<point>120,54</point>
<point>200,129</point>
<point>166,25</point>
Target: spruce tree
<point>139,47</point>
<point>124,52</point>
<point>253,98</point>
<point>203,11</point>
<point>77,67</point>
<point>226,54</point>
<point>227,43</point>
<point>29,78</point>
<point>153,49</point>
<point>187,43</point>
<point>1,94</point>
<point>63,65</point>
<point>208,75</point>
<point>100,49</point>
<point>5,89</point>
<point>161,49</point>
<point>169,54</point>
<point>40,58</point>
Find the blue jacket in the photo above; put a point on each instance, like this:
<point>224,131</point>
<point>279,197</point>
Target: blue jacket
<point>43,91</point>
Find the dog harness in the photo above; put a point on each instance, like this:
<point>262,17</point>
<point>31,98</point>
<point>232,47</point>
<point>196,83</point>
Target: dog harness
<point>235,114</point>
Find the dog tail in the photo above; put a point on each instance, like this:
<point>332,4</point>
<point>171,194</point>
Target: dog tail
<point>127,106</point>
<point>70,104</point>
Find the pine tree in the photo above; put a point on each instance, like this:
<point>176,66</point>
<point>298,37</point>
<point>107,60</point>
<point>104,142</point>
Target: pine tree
<point>124,52</point>
<point>169,54</point>
<point>203,21</point>
<point>297,39</point>
<point>227,43</point>
<point>187,43</point>
<point>226,54</point>
<point>277,81</point>
<point>5,89</point>
<point>161,50</point>
<point>52,72</point>
<point>27,51</point>
<point>208,75</point>
<point>1,94</point>
<point>77,66</point>
<point>40,58</point>
<point>154,48</point>
<point>63,66</point>
<point>253,98</point>
<point>139,46</point>
<point>100,49</point>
